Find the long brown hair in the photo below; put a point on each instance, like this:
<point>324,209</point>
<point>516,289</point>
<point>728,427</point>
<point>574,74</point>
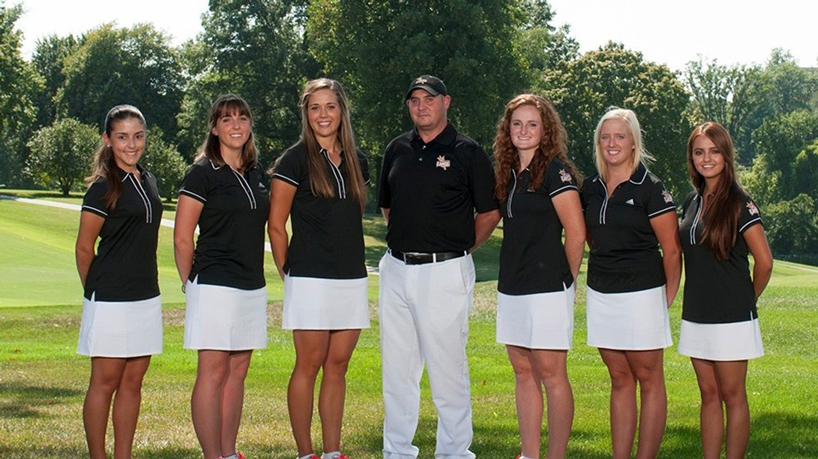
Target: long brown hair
<point>554,144</point>
<point>226,105</point>
<point>319,180</point>
<point>104,165</point>
<point>720,219</point>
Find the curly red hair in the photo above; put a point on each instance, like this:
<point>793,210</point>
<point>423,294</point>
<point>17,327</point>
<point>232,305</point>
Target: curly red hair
<point>554,144</point>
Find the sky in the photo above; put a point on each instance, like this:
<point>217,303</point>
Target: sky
<point>671,32</point>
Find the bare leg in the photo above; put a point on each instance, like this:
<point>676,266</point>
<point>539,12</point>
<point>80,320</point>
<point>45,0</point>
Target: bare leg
<point>106,375</point>
<point>333,386</point>
<point>648,368</point>
<point>623,402</point>
<point>126,405</point>
<point>528,396</point>
<point>732,377</point>
<point>310,353</point>
<point>206,400</point>
<point>233,399</point>
<point>711,417</point>
<point>551,366</point>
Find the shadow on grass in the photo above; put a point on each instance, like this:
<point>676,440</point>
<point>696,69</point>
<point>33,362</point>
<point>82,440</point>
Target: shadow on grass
<point>784,435</point>
<point>45,451</point>
<point>19,401</point>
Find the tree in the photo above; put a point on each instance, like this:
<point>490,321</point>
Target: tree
<point>111,66</point>
<point>792,226</point>
<point>18,86</point>
<point>163,161</point>
<point>805,171</point>
<point>584,88</point>
<point>376,48</point>
<point>255,49</point>
<point>48,61</point>
<point>778,141</point>
<point>727,95</point>
<point>61,154</point>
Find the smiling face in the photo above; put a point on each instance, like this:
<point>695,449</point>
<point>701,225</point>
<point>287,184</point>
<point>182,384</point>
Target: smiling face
<point>708,160</point>
<point>127,140</point>
<point>233,130</point>
<point>324,114</point>
<point>526,129</point>
<point>616,143</point>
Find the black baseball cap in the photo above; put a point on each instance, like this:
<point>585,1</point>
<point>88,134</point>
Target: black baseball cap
<point>431,84</point>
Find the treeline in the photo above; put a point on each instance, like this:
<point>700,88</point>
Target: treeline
<point>486,51</point>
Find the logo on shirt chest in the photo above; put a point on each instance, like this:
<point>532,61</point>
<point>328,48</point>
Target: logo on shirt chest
<point>443,163</point>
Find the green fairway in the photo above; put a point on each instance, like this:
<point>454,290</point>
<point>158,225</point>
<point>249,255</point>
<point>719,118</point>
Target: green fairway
<point>42,380</point>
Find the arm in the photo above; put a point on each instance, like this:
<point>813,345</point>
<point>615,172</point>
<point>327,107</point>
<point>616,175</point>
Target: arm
<point>385,212</point>
<point>762,257</point>
<point>281,202</point>
<point>666,228</point>
<point>569,211</point>
<point>90,226</point>
<point>188,211</point>
<point>484,224</point>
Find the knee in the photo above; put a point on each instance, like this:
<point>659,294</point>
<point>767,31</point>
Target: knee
<point>132,382</point>
<point>710,393</point>
<point>336,368</point>
<point>308,366</point>
<point>104,384</point>
<point>214,375</point>
<point>622,380</point>
<point>734,396</point>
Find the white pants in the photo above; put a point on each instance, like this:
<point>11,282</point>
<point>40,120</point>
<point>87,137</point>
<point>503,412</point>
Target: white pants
<point>424,318</point>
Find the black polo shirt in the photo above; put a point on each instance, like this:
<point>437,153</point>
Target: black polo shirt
<point>717,291</point>
<point>433,189</point>
<point>327,234</point>
<point>624,254</point>
<point>230,247</point>
<point>124,268</point>
<point>532,257</point>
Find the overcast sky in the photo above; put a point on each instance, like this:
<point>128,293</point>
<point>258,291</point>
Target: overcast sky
<point>665,31</point>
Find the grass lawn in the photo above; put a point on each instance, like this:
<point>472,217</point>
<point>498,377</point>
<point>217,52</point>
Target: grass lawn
<point>42,380</point>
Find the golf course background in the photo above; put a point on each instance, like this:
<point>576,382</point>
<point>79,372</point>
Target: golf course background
<point>42,380</point>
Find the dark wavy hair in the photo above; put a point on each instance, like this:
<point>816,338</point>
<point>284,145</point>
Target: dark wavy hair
<point>554,144</point>
<point>720,219</point>
<point>227,105</point>
<point>104,164</point>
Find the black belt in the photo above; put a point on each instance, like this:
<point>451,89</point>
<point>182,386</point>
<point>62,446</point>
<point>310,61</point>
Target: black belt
<point>421,258</point>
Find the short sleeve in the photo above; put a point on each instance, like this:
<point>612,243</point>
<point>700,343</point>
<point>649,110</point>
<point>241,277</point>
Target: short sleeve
<point>660,200</point>
<point>94,199</point>
<point>364,165</point>
<point>195,183</point>
<point>289,168</point>
<point>384,192</point>
<point>482,181</point>
<point>558,179</point>
<point>750,215</point>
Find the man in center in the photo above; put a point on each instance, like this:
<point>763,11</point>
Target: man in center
<point>437,195</point>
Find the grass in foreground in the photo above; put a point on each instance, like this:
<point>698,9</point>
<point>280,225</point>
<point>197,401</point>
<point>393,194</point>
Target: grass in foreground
<point>42,380</point>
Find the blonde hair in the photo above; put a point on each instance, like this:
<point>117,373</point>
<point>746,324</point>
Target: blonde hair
<point>640,153</point>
